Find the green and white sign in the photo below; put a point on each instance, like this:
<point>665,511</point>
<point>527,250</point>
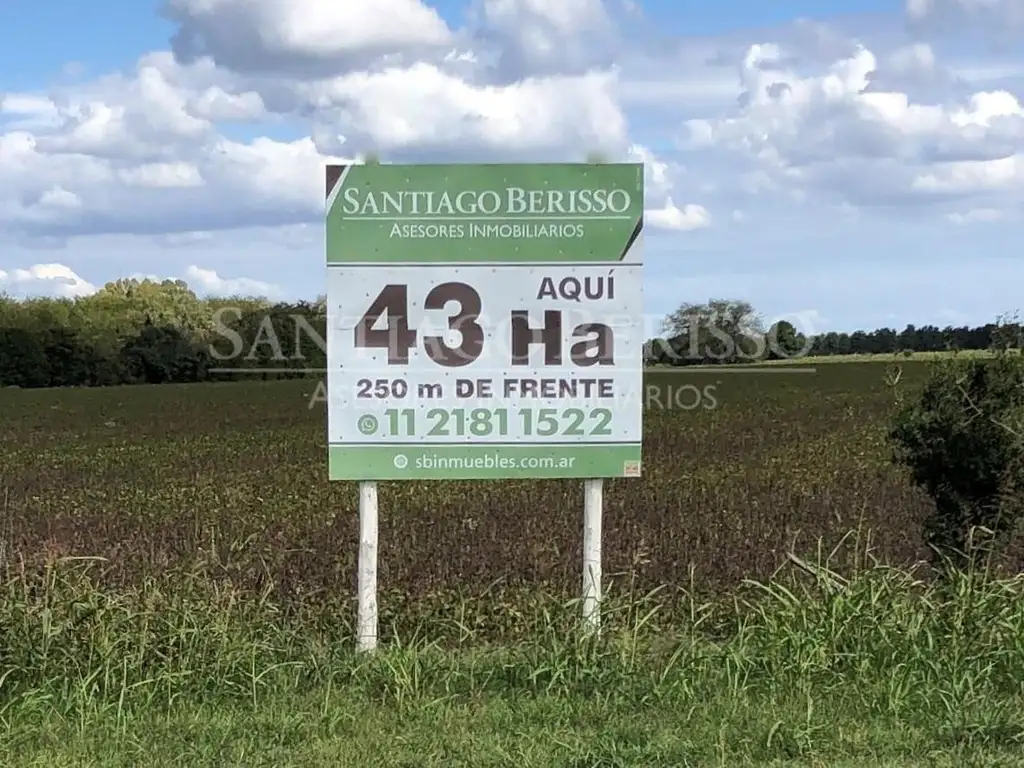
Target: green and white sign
<point>484,321</point>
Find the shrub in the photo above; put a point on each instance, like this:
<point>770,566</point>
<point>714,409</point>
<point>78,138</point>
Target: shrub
<point>962,442</point>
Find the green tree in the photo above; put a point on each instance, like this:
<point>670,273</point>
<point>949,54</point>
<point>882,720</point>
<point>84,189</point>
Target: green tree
<point>23,359</point>
<point>720,331</point>
<point>784,342</point>
<point>1008,334</point>
<point>658,351</point>
<point>162,355</point>
<point>122,307</point>
<point>71,360</point>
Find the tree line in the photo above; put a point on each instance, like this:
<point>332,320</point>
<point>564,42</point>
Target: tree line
<point>149,332</point>
<point>730,331</point>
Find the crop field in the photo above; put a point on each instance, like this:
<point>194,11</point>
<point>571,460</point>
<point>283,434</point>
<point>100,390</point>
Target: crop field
<point>153,477</point>
<point>180,578</point>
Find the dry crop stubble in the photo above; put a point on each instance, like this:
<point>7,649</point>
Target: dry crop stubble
<point>233,476</point>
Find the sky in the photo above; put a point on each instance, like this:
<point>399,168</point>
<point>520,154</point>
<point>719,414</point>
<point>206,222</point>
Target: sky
<point>842,166</point>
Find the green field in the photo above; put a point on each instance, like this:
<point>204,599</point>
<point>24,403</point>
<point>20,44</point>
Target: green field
<point>894,357</point>
<point>889,358</point>
<point>180,590</point>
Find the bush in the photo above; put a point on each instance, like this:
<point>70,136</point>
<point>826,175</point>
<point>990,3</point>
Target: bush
<point>961,440</point>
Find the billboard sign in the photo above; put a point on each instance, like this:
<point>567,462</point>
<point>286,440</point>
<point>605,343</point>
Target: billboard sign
<point>484,321</point>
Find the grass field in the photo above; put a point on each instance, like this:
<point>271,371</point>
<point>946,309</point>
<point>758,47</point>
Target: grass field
<point>211,623</point>
<point>894,357</point>
<point>891,358</point>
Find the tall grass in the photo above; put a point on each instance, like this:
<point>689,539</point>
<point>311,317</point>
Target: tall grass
<point>780,664</point>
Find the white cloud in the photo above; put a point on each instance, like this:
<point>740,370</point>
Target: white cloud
<point>46,280</point>
<point>975,216</point>
<point>998,23</point>
<point>683,219</point>
<point>919,9</point>
<point>26,112</point>
<point>834,132</point>
<point>659,182</point>
<point>183,239</point>
<point>423,108</point>
<point>521,37</point>
<point>59,198</point>
<point>658,174</point>
<point>215,103</point>
<point>914,61</point>
<point>262,181</point>
<point>542,36</point>
<point>145,118</point>
<point>162,175</point>
<point>143,153</point>
<point>990,176</point>
<point>207,281</point>
<point>1003,11</point>
<point>267,35</point>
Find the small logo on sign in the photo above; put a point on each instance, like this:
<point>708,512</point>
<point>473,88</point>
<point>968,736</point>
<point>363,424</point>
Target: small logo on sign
<point>631,469</point>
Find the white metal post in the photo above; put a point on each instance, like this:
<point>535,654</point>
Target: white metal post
<point>366,626</point>
<point>593,507</point>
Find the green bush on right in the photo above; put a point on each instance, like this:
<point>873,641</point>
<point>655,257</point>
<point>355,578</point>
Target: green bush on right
<point>962,441</point>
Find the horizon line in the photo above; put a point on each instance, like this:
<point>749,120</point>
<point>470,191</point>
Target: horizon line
<point>712,368</point>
